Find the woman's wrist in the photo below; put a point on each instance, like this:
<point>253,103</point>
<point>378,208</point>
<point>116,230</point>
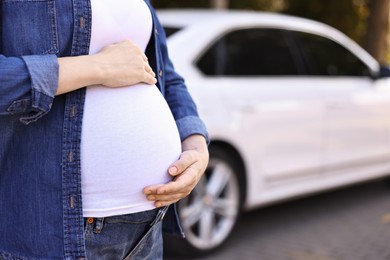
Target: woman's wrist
<point>77,72</point>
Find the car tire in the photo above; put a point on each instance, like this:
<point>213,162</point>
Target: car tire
<point>209,214</point>
<point>386,181</point>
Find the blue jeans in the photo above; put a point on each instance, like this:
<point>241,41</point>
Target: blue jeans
<point>125,237</point>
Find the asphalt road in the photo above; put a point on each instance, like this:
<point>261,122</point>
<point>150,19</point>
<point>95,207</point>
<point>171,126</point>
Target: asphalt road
<point>348,224</point>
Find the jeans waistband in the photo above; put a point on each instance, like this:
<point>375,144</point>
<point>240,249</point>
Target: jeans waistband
<point>99,221</point>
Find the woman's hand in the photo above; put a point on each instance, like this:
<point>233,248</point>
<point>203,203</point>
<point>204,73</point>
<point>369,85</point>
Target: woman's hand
<point>186,171</point>
<point>124,64</point>
<point>116,65</point>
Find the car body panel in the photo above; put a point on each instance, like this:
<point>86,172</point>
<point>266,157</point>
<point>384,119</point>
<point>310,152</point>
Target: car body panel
<point>296,134</point>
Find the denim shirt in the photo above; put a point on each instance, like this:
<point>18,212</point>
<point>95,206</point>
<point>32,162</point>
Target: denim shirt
<point>40,188</point>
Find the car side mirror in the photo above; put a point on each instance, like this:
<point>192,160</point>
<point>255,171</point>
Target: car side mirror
<point>384,71</point>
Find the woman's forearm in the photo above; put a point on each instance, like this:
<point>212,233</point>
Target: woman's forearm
<point>116,65</point>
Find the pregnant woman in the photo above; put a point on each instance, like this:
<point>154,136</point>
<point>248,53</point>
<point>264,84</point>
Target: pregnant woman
<point>93,147</point>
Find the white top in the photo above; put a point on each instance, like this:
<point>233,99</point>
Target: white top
<point>129,136</point>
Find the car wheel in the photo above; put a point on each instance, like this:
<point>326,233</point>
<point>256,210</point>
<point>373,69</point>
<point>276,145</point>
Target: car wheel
<point>209,214</point>
<point>386,181</point>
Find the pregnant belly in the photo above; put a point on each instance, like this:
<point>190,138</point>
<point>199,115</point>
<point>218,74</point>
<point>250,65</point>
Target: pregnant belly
<point>129,139</point>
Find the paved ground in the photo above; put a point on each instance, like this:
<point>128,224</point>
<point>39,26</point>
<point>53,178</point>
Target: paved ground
<point>348,224</point>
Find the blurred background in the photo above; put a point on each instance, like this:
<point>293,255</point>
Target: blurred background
<point>276,132</point>
<point>365,21</point>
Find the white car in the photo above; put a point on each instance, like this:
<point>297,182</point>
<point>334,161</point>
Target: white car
<point>292,106</point>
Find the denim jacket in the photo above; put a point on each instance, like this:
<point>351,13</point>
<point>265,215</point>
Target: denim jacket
<point>40,189</point>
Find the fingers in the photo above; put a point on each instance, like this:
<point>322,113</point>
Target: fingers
<point>125,64</point>
<point>145,57</point>
<point>181,184</point>
<point>187,171</point>
<point>166,200</point>
<point>187,158</point>
<point>149,70</point>
<point>175,190</point>
<point>149,75</point>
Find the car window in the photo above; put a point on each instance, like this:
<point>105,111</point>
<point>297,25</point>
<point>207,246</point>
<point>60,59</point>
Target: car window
<point>323,56</point>
<point>170,30</point>
<point>250,52</point>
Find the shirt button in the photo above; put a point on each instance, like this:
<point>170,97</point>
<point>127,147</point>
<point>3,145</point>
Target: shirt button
<point>160,73</point>
<point>70,156</point>
<point>155,31</point>
<point>73,110</point>
<point>72,202</point>
<point>82,22</point>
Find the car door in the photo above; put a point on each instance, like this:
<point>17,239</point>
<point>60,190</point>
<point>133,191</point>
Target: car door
<point>357,111</point>
<point>277,116</point>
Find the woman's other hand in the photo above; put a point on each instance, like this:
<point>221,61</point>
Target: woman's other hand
<point>186,171</point>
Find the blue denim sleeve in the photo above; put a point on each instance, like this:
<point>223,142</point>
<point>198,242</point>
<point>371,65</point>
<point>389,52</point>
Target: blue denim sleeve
<point>27,86</point>
<point>182,105</point>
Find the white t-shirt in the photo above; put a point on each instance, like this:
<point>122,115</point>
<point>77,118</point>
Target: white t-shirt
<point>129,136</point>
